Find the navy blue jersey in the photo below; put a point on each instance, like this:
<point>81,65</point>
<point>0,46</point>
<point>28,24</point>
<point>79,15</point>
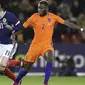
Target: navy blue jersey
<point>5,33</point>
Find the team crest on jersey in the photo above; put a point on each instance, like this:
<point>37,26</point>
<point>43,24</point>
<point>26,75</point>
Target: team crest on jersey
<point>49,19</point>
<point>4,20</point>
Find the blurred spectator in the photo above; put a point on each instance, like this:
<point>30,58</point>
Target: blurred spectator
<point>69,2</point>
<point>13,6</point>
<point>82,5</point>
<point>21,16</point>
<point>81,22</point>
<point>26,8</point>
<point>53,6</point>
<point>76,38</point>
<point>65,12</point>
<point>66,39</point>
<point>75,9</point>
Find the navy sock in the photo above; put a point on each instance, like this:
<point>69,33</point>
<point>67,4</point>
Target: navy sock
<point>48,72</point>
<point>20,75</point>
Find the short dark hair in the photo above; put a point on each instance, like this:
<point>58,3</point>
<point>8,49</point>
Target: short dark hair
<point>44,2</point>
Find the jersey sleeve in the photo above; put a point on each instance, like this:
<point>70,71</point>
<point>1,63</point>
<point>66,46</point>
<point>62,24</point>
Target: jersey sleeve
<point>29,22</point>
<point>59,19</point>
<point>16,24</point>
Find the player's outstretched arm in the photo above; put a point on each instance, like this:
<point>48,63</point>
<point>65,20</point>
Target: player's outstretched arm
<point>73,26</point>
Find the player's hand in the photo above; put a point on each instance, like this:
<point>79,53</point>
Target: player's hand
<point>13,37</point>
<point>8,27</point>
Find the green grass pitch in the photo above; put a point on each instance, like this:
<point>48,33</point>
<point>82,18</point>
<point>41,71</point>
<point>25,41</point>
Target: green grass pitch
<point>38,80</point>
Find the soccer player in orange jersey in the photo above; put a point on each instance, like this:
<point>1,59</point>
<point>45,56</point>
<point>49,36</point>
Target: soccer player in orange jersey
<point>43,23</point>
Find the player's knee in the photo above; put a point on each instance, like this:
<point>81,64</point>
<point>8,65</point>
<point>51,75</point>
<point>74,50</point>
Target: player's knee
<point>3,62</point>
<point>2,69</point>
<point>49,56</point>
<point>50,59</point>
<point>27,65</point>
<point>2,66</point>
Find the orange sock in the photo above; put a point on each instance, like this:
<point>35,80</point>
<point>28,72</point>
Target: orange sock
<point>9,74</point>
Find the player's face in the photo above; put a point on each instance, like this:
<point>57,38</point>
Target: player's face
<point>42,9</point>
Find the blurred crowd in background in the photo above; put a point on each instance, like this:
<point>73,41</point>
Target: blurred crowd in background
<point>72,10</point>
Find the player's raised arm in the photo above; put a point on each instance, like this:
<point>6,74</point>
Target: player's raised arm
<point>68,23</point>
<point>72,25</point>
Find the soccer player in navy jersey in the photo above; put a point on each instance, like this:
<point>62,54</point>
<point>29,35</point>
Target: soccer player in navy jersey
<point>8,25</point>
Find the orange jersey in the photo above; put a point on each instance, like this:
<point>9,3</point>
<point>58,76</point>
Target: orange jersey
<point>43,27</point>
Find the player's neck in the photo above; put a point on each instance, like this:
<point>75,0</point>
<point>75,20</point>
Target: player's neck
<point>1,13</point>
<point>1,9</point>
<point>44,14</point>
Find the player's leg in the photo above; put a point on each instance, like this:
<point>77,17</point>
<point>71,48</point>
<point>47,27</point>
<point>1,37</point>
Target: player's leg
<point>7,72</point>
<point>49,58</point>
<point>12,63</point>
<point>23,71</point>
<point>5,53</point>
<point>30,58</point>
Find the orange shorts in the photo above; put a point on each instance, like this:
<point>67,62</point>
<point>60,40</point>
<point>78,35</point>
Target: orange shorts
<point>35,51</point>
